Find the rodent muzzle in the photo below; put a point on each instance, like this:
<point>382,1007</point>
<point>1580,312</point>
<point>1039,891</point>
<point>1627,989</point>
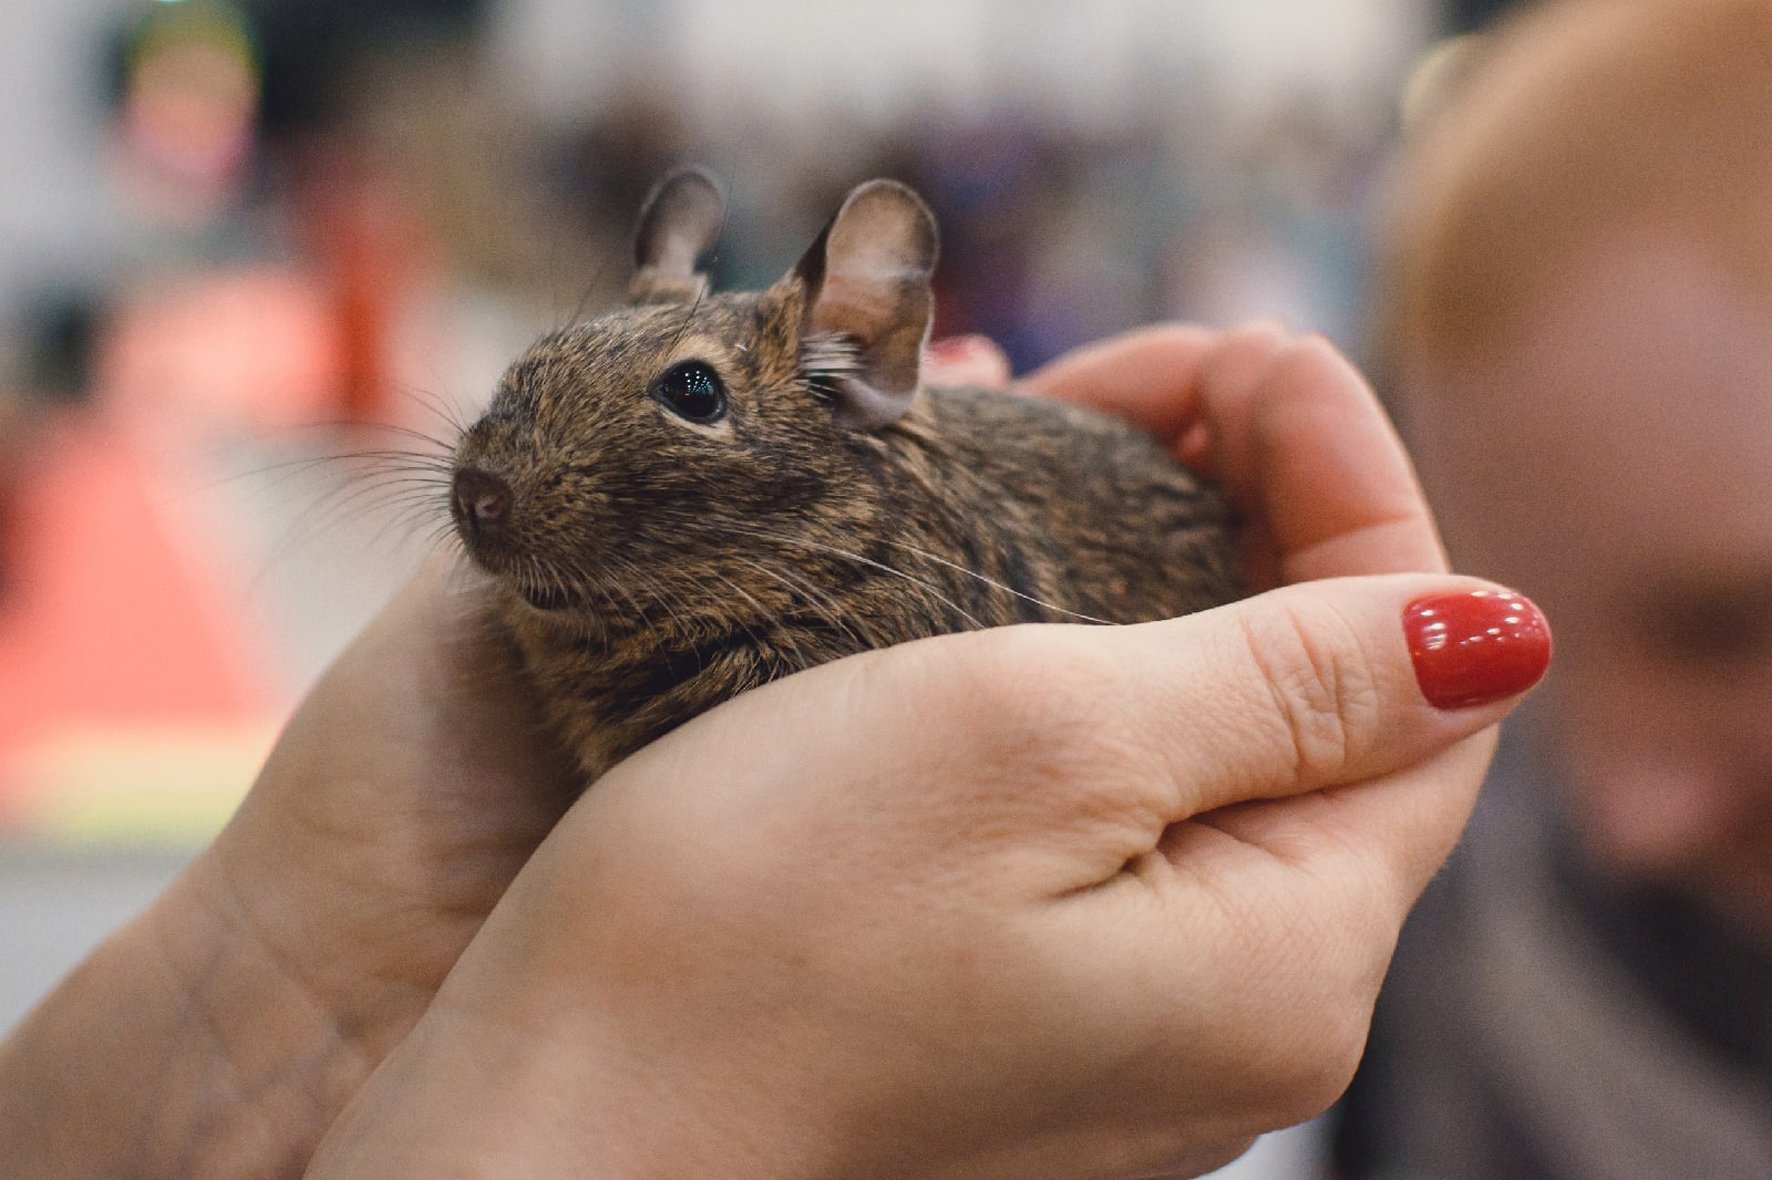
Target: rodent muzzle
<point>481,503</point>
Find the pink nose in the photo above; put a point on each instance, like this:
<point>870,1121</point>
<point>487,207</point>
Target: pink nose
<point>482,503</point>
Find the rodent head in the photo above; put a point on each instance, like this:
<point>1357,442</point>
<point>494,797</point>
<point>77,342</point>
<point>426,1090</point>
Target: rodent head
<point>638,458</point>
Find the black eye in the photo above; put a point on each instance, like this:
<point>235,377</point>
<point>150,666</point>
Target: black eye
<point>692,390</point>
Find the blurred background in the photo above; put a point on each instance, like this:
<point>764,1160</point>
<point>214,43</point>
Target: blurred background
<point>247,247</point>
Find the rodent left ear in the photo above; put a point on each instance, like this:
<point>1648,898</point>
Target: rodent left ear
<point>679,223</point>
<point>868,303</point>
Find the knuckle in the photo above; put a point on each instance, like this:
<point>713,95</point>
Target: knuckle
<point>1323,686</point>
<point>1307,1044</point>
<point>1264,333</point>
<point>1311,363</point>
<point>1311,349</point>
<point>1322,1065</point>
<point>1316,1038</point>
<point>1251,349</point>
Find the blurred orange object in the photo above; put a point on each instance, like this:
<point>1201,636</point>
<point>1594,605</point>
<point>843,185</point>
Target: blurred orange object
<point>252,350</point>
<point>374,249</point>
<point>111,624</point>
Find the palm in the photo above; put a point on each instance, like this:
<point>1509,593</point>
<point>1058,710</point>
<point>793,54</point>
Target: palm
<point>405,794</point>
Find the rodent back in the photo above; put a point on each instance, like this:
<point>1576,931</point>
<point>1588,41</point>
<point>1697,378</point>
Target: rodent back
<point>1074,516</point>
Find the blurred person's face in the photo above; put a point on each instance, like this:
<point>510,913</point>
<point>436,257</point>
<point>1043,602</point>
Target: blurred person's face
<point>1614,461</point>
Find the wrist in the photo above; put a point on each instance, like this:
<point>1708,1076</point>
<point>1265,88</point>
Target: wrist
<point>494,1090</point>
<point>179,1047</point>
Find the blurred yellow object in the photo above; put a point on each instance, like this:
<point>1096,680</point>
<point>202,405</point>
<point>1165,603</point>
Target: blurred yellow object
<point>153,787</point>
<point>191,92</point>
<point>1436,77</point>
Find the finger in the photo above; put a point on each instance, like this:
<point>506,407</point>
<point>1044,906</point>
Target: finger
<point>973,362</point>
<point>1148,377</point>
<point>1229,377</point>
<point>1289,427</point>
<point>430,693</point>
<point>1327,685</point>
<point>1405,822</point>
<point>1112,735</point>
<point>1303,447</point>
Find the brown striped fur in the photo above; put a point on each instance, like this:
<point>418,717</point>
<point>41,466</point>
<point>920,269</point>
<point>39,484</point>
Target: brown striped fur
<point>653,567</point>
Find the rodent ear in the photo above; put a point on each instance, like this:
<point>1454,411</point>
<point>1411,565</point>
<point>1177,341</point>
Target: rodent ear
<point>678,224</point>
<point>869,304</point>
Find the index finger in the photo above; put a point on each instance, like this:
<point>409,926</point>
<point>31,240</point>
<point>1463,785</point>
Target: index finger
<point>1147,376</point>
<point>1308,447</point>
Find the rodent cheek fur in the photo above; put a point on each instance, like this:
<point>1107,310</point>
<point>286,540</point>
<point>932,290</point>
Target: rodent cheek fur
<point>612,496</point>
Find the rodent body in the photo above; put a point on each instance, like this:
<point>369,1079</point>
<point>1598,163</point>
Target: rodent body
<point>694,496</point>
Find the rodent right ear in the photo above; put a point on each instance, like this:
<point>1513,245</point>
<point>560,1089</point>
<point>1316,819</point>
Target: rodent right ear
<point>679,223</point>
<point>868,305</point>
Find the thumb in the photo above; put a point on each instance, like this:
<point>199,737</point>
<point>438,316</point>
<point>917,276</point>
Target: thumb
<point>1327,683</point>
<point>1118,732</point>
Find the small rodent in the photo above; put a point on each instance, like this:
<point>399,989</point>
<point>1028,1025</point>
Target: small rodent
<point>697,494</point>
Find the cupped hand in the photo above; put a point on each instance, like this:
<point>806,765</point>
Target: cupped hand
<point>408,789</point>
<point>1044,900</point>
<point>221,1032</point>
<point>416,778</point>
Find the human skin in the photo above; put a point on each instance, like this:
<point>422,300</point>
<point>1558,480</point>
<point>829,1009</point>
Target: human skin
<point>222,1032</point>
<point>1612,456</point>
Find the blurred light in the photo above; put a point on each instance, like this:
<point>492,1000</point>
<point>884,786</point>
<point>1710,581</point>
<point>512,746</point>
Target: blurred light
<point>1435,76</point>
<point>190,98</point>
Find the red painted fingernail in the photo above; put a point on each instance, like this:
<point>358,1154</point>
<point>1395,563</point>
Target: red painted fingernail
<point>955,348</point>
<point>1476,647</point>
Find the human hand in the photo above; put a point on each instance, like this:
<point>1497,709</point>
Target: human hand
<point>273,977</point>
<point>221,1032</point>
<point>1074,901</point>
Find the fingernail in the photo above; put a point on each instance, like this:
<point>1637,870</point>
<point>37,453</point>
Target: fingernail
<point>1476,647</point>
<point>950,349</point>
